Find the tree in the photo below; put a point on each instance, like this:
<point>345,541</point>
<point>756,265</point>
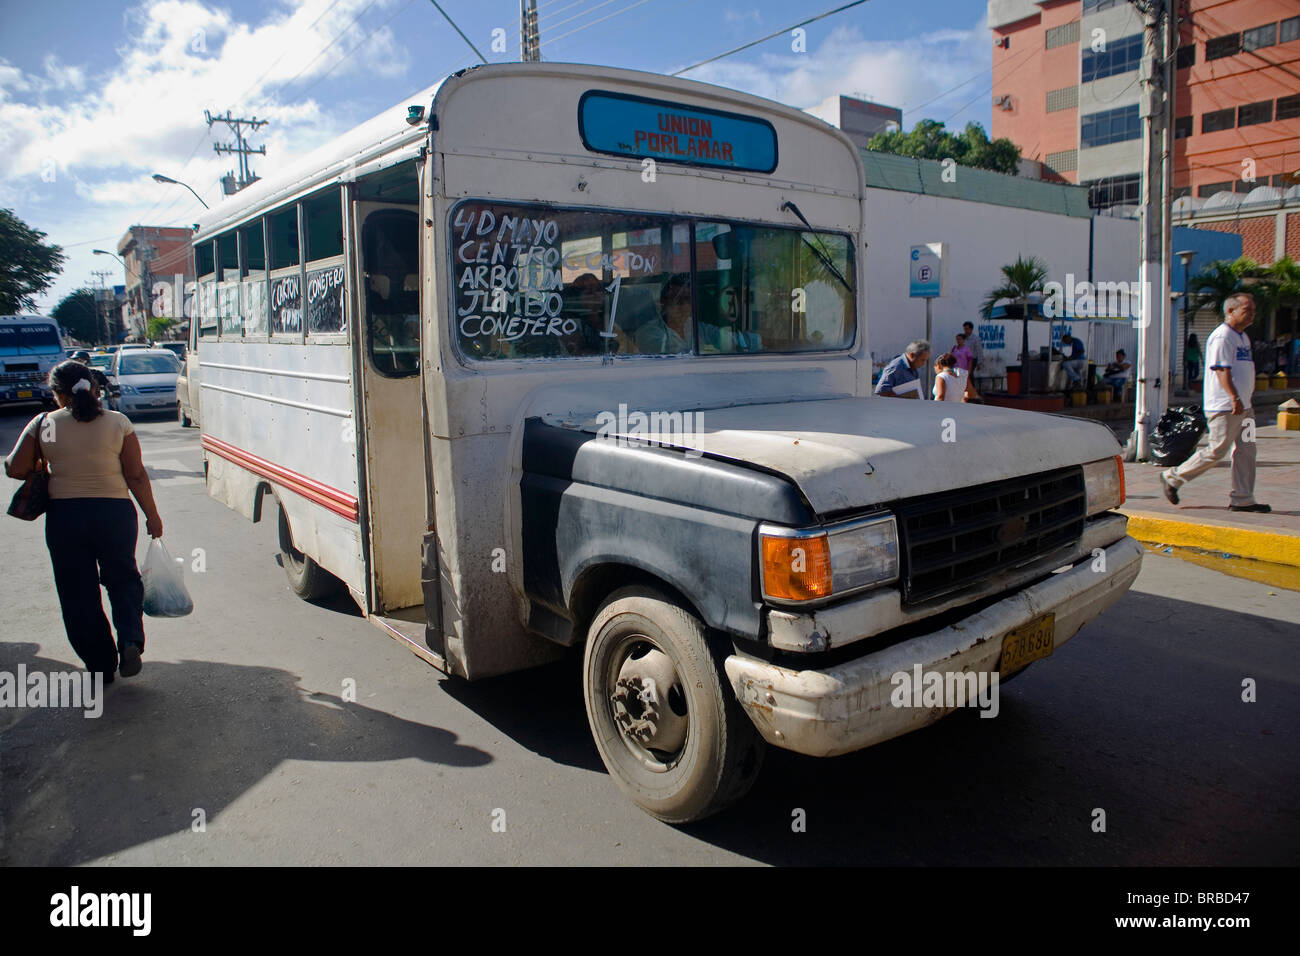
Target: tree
<point>929,140</point>
<point>78,313</point>
<point>1023,278</point>
<point>27,265</point>
<point>159,327</point>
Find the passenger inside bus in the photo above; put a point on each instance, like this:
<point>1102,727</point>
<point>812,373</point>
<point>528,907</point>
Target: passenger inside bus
<point>669,332</point>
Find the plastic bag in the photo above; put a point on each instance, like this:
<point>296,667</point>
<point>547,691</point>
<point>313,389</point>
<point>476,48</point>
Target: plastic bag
<point>1176,435</point>
<point>164,586</point>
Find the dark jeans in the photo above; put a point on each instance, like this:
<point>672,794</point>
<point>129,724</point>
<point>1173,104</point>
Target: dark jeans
<point>1193,370</point>
<point>92,540</point>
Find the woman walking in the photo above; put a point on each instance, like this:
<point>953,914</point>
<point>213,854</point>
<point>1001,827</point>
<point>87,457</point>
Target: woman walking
<point>951,382</point>
<point>93,458</point>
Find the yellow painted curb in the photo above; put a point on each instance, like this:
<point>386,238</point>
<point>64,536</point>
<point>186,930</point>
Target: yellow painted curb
<point>1275,547</point>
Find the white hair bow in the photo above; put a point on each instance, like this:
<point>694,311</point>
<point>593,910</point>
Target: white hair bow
<point>83,385</point>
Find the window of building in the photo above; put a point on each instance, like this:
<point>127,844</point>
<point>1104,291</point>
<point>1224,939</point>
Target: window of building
<point>1095,6</point>
<point>1288,107</point>
<point>1209,189</point>
<point>1220,47</point>
<point>1063,162</point>
<point>1245,186</point>
<point>1182,127</point>
<point>1062,35</point>
<point>1218,120</point>
<point>1251,114</point>
<point>1186,56</point>
<point>1288,30</point>
<point>1259,37</point>
<point>1066,98</point>
<point>1113,191</point>
<point>1285,180</point>
<point>1182,191</point>
<point>1110,126</point>
<point>1119,57</point>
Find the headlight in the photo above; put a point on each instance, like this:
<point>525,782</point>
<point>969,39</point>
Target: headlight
<point>127,389</point>
<point>1104,482</point>
<point>818,563</point>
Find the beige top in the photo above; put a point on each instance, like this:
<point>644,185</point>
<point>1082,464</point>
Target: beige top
<point>83,457</point>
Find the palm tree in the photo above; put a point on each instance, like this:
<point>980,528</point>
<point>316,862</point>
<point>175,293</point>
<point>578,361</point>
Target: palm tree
<point>1022,278</point>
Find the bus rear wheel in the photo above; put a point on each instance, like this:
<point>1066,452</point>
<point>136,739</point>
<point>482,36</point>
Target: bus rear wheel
<point>307,579</point>
<point>666,724</point>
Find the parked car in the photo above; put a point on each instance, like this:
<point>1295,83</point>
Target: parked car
<point>143,380</point>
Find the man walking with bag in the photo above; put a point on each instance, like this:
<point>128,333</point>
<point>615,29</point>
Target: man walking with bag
<point>1229,387</point>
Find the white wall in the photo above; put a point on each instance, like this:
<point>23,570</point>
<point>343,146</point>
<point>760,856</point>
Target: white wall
<point>981,239</point>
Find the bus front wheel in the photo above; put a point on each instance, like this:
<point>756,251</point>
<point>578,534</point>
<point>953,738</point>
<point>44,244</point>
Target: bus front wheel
<point>307,579</point>
<point>665,722</point>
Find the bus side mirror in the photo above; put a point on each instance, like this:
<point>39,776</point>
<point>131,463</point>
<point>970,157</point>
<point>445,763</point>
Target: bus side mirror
<point>722,245</point>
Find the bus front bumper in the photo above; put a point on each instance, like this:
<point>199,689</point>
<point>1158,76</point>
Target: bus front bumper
<point>847,707</point>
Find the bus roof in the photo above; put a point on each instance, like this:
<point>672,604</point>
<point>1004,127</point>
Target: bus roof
<point>387,139</point>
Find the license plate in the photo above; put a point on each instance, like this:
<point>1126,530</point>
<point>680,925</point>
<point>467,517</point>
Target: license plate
<point>163,401</point>
<point>1027,643</point>
<point>24,394</point>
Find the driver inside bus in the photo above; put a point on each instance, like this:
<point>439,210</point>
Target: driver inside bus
<point>670,332</point>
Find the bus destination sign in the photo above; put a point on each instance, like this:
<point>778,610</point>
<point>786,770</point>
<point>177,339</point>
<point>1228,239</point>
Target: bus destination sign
<point>671,132</point>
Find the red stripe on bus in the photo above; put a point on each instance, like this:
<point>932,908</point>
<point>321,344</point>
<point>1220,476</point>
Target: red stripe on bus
<point>336,501</point>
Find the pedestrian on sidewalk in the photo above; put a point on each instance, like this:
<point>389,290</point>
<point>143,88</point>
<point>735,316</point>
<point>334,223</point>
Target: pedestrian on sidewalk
<point>962,353</point>
<point>93,458</point>
<point>1229,387</point>
<point>900,378</point>
<point>951,382</point>
<point>1192,357</point>
<point>1077,363</point>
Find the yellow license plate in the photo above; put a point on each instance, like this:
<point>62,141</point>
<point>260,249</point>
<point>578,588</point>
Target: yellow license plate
<point>1028,643</point>
<point>24,394</point>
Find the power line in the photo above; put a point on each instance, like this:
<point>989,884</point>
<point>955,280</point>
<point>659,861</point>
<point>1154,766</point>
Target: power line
<point>458,30</point>
<point>599,20</point>
<point>802,23</point>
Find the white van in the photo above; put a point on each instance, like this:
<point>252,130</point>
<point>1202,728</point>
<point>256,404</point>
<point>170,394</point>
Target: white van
<point>554,359</point>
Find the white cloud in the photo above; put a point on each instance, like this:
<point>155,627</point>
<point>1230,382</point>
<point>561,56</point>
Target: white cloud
<point>77,150</point>
<point>905,74</point>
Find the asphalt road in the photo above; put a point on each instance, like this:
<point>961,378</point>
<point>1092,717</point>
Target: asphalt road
<point>239,720</point>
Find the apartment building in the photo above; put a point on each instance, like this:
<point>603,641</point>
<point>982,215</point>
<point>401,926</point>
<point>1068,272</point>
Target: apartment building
<point>152,255</point>
<point>1066,90</point>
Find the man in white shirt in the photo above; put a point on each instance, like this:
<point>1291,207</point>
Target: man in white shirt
<point>1229,387</point>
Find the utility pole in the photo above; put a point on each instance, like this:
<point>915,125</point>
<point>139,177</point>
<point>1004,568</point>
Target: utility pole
<point>241,148</point>
<point>1154,108</point>
<point>100,299</point>
<point>530,38</point>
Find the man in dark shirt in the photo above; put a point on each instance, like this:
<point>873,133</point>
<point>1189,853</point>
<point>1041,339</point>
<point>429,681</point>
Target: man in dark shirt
<point>900,378</point>
<point>1077,362</point>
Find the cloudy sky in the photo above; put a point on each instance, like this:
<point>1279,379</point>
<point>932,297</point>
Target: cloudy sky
<point>97,96</point>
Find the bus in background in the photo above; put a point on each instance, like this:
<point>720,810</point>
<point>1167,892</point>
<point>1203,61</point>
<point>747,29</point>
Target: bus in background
<point>557,359</point>
<point>30,347</point>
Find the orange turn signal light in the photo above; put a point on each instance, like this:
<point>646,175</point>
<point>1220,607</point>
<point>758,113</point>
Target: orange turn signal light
<point>796,569</point>
<point>1119,464</point>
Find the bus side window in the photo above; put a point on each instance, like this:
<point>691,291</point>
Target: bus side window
<point>390,243</point>
<point>323,214</point>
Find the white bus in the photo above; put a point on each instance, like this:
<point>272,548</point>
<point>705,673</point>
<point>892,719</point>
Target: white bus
<point>555,358</point>
<point>30,347</point>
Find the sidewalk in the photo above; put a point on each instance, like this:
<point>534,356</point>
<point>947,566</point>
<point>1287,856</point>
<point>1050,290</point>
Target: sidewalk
<point>1203,519</point>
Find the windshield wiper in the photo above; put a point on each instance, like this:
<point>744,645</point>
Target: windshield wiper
<point>821,255</point>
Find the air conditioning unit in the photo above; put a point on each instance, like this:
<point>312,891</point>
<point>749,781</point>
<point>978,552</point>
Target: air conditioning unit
<point>1003,101</point>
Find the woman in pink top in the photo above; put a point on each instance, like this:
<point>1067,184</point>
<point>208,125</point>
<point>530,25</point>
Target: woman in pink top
<point>964,356</point>
<point>93,457</point>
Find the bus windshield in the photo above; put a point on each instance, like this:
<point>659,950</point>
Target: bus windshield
<point>536,281</point>
<point>29,339</point>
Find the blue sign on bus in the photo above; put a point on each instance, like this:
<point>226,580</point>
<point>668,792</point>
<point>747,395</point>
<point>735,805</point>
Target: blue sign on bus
<point>670,132</point>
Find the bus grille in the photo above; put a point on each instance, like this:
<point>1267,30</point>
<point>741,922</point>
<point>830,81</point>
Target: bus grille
<point>955,538</point>
<point>20,378</point>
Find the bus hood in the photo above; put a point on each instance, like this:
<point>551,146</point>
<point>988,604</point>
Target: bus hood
<point>853,453</point>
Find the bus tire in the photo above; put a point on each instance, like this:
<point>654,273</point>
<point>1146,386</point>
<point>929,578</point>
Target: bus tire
<point>307,579</point>
<point>681,755</point>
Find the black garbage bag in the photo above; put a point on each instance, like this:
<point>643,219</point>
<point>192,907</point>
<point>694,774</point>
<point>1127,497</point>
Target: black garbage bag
<point>1176,435</point>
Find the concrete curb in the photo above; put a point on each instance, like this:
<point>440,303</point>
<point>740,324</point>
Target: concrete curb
<point>1274,547</point>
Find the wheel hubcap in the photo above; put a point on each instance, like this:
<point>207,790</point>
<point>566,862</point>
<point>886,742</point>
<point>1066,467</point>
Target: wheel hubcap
<point>648,702</point>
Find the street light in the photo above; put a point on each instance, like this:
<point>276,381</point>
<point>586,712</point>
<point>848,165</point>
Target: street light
<point>1187,255</point>
<point>104,252</point>
<point>160,178</point>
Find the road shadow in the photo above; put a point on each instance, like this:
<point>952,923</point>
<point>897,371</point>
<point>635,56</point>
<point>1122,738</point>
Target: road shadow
<point>183,736</point>
<point>1131,718</point>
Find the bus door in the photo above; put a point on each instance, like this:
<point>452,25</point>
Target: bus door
<point>388,397</point>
